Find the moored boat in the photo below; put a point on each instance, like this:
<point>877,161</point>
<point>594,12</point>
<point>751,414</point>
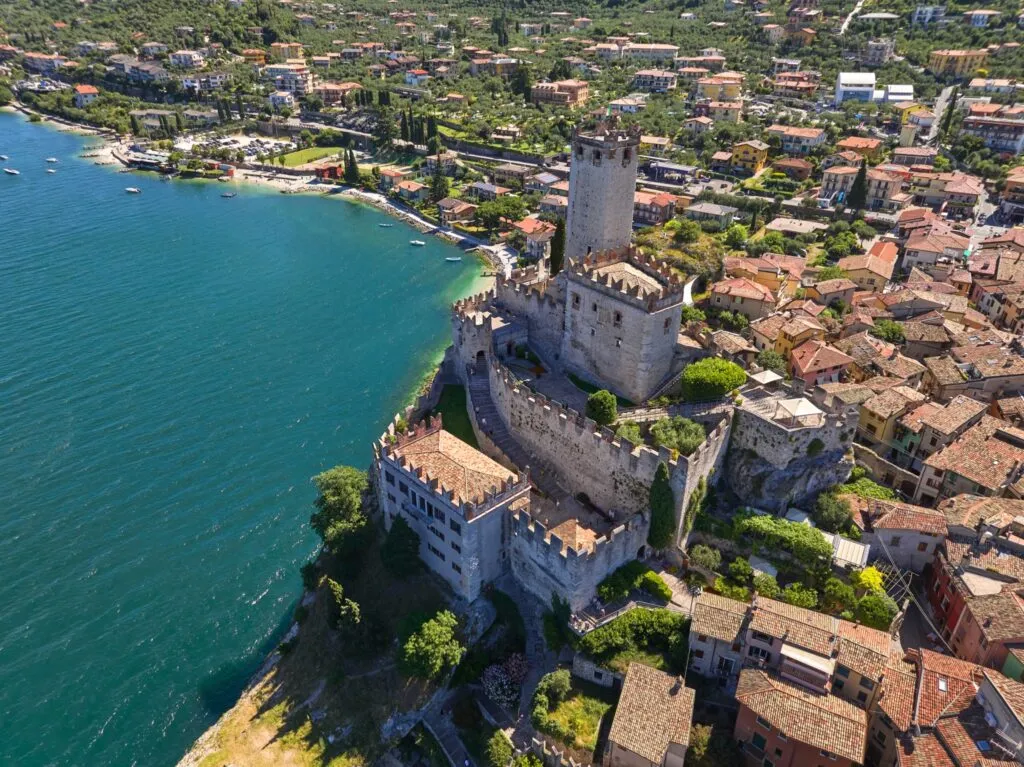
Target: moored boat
<point>417,243</point>
<point>52,159</point>
<point>453,258</point>
<point>12,172</point>
<point>385,226</point>
<point>50,170</point>
<point>229,194</point>
<point>133,190</point>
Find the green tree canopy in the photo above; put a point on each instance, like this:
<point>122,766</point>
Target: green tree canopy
<point>339,514</point>
<point>830,273</point>
<point>663,510</point>
<point>711,378</point>
<point>889,330</point>
<point>558,247</point>
<point>767,586</point>
<point>433,647</point>
<point>679,434</point>
<point>499,750</point>
<point>706,557</point>
<point>630,430</point>
<point>838,596</point>
<point>492,213</point>
<point>859,191</point>
<point>800,595</point>
<point>770,359</point>
<point>602,407</point>
<point>831,513</point>
<point>401,550</point>
<point>736,236</point>
<point>876,611</point>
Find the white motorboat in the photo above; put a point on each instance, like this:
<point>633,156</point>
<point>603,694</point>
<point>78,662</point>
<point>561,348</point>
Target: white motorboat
<point>52,159</point>
<point>385,226</point>
<point>453,258</point>
<point>417,243</point>
<point>50,170</point>
<point>3,157</point>
<point>133,190</point>
<point>12,172</point>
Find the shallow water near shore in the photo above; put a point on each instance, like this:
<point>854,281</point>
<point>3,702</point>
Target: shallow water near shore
<point>174,367</point>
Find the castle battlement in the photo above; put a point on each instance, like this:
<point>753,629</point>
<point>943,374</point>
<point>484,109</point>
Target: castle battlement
<point>601,442</point>
<point>468,308</point>
<point>534,533</point>
<point>523,289</point>
<point>607,135</point>
<point>595,270</point>
<point>388,445</point>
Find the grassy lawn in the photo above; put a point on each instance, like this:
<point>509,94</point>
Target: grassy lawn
<point>456,418</point>
<point>302,156</point>
<point>582,711</point>
<point>621,660</point>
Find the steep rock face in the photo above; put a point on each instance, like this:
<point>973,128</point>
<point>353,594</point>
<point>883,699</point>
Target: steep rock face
<point>759,483</point>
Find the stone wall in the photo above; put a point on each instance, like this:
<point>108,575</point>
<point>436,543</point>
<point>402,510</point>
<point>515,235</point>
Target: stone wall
<point>772,467</point>
<point>585,669</point>
<point>546,566</point>
<point>613,472</point>
<point>542,310</point>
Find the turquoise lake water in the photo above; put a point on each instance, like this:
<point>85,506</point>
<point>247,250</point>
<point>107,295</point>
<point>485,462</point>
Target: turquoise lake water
<point>174,367</point>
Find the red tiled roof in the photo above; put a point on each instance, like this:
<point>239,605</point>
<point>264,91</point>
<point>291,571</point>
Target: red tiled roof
<point>812,356</point>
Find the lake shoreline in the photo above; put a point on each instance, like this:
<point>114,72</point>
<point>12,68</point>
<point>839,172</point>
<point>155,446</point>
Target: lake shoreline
<point>114,150</point>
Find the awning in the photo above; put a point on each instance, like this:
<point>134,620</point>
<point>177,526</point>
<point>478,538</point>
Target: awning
<point>797,408</point>
<point>811,660</point>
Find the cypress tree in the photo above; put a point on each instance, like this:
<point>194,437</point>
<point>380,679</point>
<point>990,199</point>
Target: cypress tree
<point>859,191</point>
<point>663,515</point>
<point>558,247</point>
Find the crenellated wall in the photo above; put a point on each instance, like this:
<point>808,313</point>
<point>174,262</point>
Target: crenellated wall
<point>613,472</point>
<point>546,566</point>
<point>540,305</point>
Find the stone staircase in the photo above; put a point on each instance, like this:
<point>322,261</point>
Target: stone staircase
<point>490,422</point>
<point>441,727</point>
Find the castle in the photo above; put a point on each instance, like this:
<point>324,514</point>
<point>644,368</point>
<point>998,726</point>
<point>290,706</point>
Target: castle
<point>552,497</point>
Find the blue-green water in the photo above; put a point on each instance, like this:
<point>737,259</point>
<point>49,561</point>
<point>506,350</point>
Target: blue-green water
<point>174,367</point>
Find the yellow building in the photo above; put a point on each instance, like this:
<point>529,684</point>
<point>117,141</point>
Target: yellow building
<point>724,111</point>
<point>720,87</point>
<point>750,156</point>
<point>797,331</point>
<point>957,63</point>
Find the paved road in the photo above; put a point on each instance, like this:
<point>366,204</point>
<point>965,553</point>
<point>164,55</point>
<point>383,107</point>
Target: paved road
<point>941,102</point>
<point>848,19</point>
<point>688,292</point>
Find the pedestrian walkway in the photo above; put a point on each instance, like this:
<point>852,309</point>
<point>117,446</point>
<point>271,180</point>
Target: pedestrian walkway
<point>444,732</point>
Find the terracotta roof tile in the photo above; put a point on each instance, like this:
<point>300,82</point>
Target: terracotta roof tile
<point>718,617</point>
<point>805,628</point>
<point>654,710</point>
<point>823,721</point>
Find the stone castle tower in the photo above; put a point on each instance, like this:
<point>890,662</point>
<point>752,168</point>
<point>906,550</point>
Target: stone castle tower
<point>602,180</point>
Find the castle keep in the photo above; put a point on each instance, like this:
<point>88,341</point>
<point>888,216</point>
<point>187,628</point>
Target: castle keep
<point>553,497</point>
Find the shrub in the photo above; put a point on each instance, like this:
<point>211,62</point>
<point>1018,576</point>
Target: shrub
<point>800,595</point>
<point>732,590</point>
<point>655,586</point>
<point>867,488</point>
<point>805,543</point>
<point>692,314</point>
<point>711,378</point>
<point>602,407</point>
<point>740,570</point>
<point>555,687</point>
<point>876,610</point>
<point>706,557</point>
<point>630,430</point>
<point>557,633</point>
<point>499,750</point>
<point>770,359</point>
<point>678,434</point>
<point>888,330</point>
<point>831,513</point>
<point>766,586</point>
<point>838,596</point>
<point>736,236</point>
<point>869,579</point>
<point>641,629</point>
<point>618,585</point>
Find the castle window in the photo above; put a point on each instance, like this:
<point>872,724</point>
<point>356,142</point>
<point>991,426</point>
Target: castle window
<point>618,342</point>
<point>579,151</point>
<point>456,568</point>
<point>389,477</point>
<point>437,533</point>
<point>435,552</point>
<point>617,321</point>
<point>597,157</point>
<point>456,547</point>
<point>626,156</point>
<point>593,307</point>
<point>455,526</point>
<point>668,324</point>
<point>575,300</point>
<point>403,488</point>
<point>391,498</point>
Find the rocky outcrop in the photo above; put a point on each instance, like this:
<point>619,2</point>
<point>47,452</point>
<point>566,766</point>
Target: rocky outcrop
<point>766,486</point>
